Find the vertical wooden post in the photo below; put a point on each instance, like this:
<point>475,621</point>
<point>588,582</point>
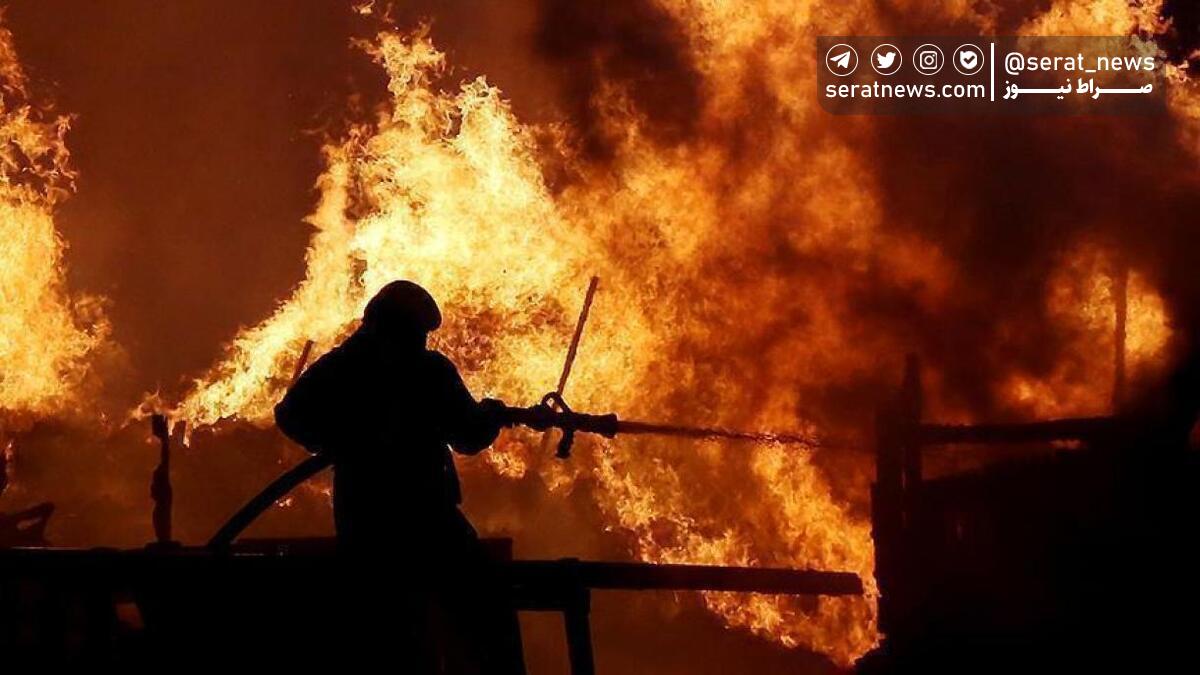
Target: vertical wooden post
<point>579,632</point>
<point>909,409</point>
<point>508,623</point>
<point>886,514</point>
<point>160,485</point>
<point>1121,311</point>
<point>897,474</point>
<point>5,451</point>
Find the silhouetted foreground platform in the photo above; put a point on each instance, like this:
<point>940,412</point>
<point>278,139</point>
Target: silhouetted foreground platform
<point>263,600</point>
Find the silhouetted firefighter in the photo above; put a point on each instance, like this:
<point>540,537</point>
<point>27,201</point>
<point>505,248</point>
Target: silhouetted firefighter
<point>388,410</point>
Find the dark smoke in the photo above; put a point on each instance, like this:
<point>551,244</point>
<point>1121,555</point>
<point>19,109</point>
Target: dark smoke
<point>1184,37</point>
<point>1008,198</point>
<point>628,43</point>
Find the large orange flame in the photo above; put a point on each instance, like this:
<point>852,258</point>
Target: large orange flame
<point>46,335</point>
<point>447,190</point>
<point>702,315</point>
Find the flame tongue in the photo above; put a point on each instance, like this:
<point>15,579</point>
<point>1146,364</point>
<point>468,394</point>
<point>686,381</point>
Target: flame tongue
<point>46,336</point>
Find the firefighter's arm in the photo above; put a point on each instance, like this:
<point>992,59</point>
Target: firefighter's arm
<point>471,426</point>
<point>309,412</point>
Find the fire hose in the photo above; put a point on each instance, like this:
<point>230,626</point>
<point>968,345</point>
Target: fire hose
<point>551,413</point>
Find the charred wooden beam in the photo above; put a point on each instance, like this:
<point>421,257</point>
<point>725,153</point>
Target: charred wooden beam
<point>646,577</point>
<point>1080,428</point>
<point>552,574</point>
<point>164,580</point>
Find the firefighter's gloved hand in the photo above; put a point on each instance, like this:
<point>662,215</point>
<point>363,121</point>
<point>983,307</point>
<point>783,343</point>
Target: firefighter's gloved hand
<point>496,412</point>
<point>539,417</point>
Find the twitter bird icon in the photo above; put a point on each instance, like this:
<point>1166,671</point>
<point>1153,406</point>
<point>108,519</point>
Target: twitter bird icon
<point>886,59</point>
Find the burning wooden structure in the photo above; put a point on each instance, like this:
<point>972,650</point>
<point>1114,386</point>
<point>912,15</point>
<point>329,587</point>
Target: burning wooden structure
<point>1055,558</point>
<point>253,598</point>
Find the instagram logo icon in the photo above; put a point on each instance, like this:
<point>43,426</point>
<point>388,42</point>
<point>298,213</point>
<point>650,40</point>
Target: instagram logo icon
<point>928,59</point>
